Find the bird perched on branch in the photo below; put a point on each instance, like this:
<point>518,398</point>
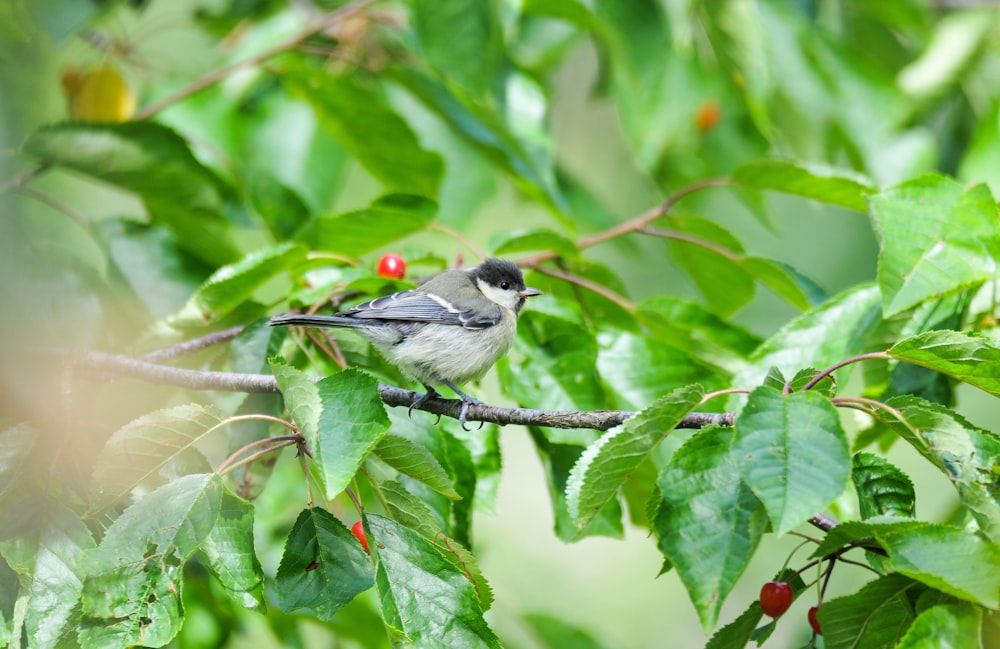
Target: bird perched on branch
<point>448,331</point>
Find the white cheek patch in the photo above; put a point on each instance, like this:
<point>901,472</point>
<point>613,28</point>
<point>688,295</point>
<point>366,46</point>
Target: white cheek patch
<point>507,299</point>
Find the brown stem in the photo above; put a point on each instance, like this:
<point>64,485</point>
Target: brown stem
<point>603,291</point>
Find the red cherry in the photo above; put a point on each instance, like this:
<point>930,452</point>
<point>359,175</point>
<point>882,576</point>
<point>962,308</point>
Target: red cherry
<point>775,598</point>
<point>358,529</point>
<point>392,266</point>
<point>707,116</point>
<point>813,621</point>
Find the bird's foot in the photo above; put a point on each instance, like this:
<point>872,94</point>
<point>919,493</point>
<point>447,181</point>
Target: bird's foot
<point>467,400</point>
<point>422,399</point>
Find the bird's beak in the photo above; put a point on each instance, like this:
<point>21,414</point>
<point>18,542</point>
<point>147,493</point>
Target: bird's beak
<point>528,292</point>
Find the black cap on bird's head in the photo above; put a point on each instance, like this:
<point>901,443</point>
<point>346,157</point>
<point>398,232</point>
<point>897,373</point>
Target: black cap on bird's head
<point>504,275</point>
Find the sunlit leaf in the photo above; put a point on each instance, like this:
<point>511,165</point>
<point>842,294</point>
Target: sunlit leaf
<point>708,522</point>
<point>968,357</point>
<point>778,440</point>
<point>876,616</point>
<point>935,236</point>
<point>605,464</point>
<point>415,461</point>
<point>835,186</point>
<point>958,626</point>
<point>387,219</point>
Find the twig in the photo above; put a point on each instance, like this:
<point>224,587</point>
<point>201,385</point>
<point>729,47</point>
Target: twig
<point>603,291</point>
<point>391,396</point>
<point>219,74</point>
<point>836,366</point>
<point>690,238</point>
<point>459,237</point>
<point>21,179</point>
<point>54,203</point>
<point>194,345</point>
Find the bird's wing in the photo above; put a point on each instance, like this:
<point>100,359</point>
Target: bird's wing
<point>418,306</point>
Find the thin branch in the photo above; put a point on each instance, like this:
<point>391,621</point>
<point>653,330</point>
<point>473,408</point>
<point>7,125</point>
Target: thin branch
<point>836,366</point>
<point>22,179</point>
<point>54,203</point>
<point>213,77</point>
<point>391,396</point>
<point>697,241</point>
<point>603,291</point>
<point>459,237</point>
<point>193,345</point>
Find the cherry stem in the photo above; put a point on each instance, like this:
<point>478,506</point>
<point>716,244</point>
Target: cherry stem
<point>836,366</point>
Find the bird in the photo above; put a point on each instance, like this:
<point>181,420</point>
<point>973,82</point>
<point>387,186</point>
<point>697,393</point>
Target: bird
<point>448,331</point>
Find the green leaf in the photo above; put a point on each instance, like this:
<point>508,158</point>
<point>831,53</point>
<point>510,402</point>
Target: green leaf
<point>927,553</point>
<point>935,237</point>
<point>132,594</point>
<point>282,210</point>
<point>149,451</point>
<point>463,42</point>
<point>834,186</point>
<point>967,455</point>
<point>154,162</point>
<point>956,626</point>
<point>738,632</point>
<point>824,335</point>
<point>607,463</point>
<point>417,462</point>
<point>236,283</point>
<point>876,616</point>
<point>410,512</point>
<point>558,370</point>
<point>783,280</point>
<point>229,552</point>
<point>968,357</point>
<point>424,594</point>
<point>302,400</point>
<point>792,452</point>
<point>883,490</point>
<point>323,566</point>
<point>48,560</point>
<point>352,420</point>
<point>533,240</point>
<point>389,218</point>
<point>689,326</point>
<point>16,479</point>
<point>558,634</point>
<point>382,141</point>
<point>712,256</point>
<point>708,522</point>
<point>640,369</point>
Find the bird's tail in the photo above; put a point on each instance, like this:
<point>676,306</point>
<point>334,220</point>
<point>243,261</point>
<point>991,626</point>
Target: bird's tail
<point>314,320</point>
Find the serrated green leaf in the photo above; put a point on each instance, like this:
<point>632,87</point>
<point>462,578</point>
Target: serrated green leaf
<point>927,553</point>
<point>738,632</point>
<point>935,237</point>
<point>301,396</point>
<point>708,522</point>
<point>132,594</point>
<point>16,478</point>
<point>876,616</point>
<point>834,186</point>
<point>956,626</point>
<point>229,552</point>
<point>323,566</point>
<point>383,142</point>
<point>149,451</point>
<point>533,240</point>
<point>417,462</point>
<point>967,455</point>
<point>883,490</point>
<point>352,420</point>
<point>968,357</point>
<point>779,441</point>
<point>424,595</point>
<point>154,162</point>
<point>639,369</point>
<point>48,559</point>
<point>410,512</point>
<point>605,464</point>
<point>387,219</point>
<point>824,335</point>
<point>235,283</point>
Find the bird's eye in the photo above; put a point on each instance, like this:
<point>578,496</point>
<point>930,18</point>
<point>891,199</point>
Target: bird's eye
<point>505,285</point>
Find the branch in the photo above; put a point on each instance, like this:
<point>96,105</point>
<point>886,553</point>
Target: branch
<point>391,396</point>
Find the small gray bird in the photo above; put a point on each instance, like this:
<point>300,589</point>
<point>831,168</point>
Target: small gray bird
<point>448,331</point>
